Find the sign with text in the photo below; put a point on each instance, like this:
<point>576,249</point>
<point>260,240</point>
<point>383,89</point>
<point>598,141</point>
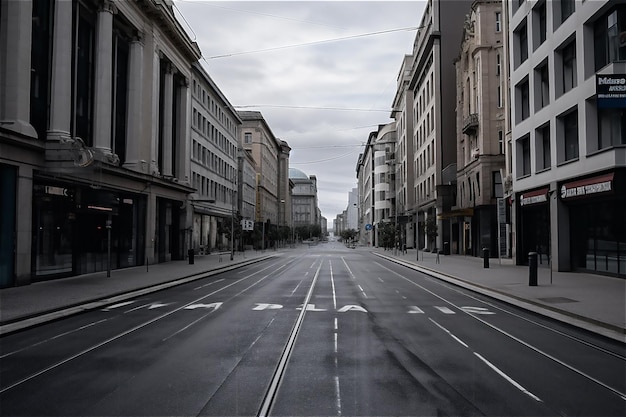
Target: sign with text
<point>611,90</point>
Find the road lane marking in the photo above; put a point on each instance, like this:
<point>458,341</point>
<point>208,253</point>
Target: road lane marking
<point>214,306</point>
<point>380,279</point>
<point>351,308</point>
<point>415,310</point>
<point>210,283</point>
<point>118,305</point>
<point>332,282</point>
<point>518,340</point>
<point>444,310</point>
<point>265,306</point>
<point>297,286</point>
<point>362,290</point>
<point>508,378</point>
<point>86,326</point>
<point>449,333</point>
<point>122,334</point>
<point>347,267</point>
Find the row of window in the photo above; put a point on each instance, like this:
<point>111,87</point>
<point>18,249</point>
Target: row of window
<point>611,131</point>
<point>212,190</point>
<point>210,160</point>
<point>213,134</point>
<point>561,10</point>
<point>213,107</point>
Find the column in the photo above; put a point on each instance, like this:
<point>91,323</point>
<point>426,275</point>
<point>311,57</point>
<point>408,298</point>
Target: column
<point>166,134</point>
<point>61,72</point>
<point>15,43</point>
<point>135,109</point>
<point>183,137</point>
<point>103,78</point>
<point>156,93</point>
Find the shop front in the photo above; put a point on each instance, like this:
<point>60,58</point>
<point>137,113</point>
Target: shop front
<point>597,222</point>
<point>74,226</point>
<point>533,225</point>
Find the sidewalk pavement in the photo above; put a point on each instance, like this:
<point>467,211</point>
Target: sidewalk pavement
<point>30,305</point>
<point>593,302</point>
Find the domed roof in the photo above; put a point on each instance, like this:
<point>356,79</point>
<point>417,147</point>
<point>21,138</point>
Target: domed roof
<point>297,174</point>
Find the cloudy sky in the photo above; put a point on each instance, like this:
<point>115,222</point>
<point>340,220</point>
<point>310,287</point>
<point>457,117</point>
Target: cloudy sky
<point>322,73</point>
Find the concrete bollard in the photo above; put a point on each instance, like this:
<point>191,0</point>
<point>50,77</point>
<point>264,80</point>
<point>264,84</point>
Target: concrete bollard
<point>532,269</point>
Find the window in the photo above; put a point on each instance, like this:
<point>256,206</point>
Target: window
<point>500,142</point>
<point>539,23</point>
<point>607,45</point>
<point>523,103</point>
<point>568,61</point>
<point>523,151</point>
<point>567,8</point>
<point>498,22</point>
<point>497,190</point>
<point>247,137</point>
<point>542,140</point>
<point>612,127</point>
<point>521,36</point>
<point>542,86</point>
<point>498,64</point>
<point>568,136</point>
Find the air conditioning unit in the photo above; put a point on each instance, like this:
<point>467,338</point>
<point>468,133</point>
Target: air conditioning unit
<point>475,153</point>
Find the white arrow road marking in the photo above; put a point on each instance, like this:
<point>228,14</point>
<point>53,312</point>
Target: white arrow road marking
<point>157,305</point>
<point>118,305</point>
<point>265,306</point>
<point>415,310</point>
<point>212,305</point>
<point>445,310</point>
<point>476,310</point>
<point>351,308</point>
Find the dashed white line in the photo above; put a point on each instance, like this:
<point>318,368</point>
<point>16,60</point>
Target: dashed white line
<point>508,378</point>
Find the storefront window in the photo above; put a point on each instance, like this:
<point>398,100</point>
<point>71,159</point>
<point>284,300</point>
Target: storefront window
<point>599,238</point>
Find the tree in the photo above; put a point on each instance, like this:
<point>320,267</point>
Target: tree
<point>348,235</point>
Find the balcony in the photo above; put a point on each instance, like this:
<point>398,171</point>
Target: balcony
<point>470,124</point>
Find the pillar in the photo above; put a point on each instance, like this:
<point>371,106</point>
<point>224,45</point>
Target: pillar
<point>166,134</point>
<point>61,73</point>
<point>103,78</point>
<point>15,42</point>
<point>134,131</point>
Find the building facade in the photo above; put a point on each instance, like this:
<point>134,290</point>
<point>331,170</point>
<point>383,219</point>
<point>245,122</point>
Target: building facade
<point>569,133</point>
<point>480,134</point>
<point>94,125</point>
<point>434,119</point>
<point>214,138</point>
<point>305,211</point>
<point>269,155</point>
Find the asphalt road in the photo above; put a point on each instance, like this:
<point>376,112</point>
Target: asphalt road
<point>319,331</point>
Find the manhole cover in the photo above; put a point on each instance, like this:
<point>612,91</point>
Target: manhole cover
<point>558,300</point>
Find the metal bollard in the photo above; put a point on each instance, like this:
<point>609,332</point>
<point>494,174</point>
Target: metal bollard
<point>190,253</point>
<point>532,269</point>
<point>485,258</point>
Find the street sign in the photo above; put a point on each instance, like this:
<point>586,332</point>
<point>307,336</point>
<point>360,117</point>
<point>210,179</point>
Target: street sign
<point>368,227</point>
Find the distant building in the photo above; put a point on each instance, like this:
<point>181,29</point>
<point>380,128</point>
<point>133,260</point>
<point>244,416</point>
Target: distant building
<point>268,153</point>
<point>305,211</point>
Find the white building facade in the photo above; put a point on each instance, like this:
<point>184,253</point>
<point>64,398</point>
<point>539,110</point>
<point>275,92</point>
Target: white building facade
<point>569,133</point>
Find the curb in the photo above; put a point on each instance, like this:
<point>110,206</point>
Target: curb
<point>600,328</point>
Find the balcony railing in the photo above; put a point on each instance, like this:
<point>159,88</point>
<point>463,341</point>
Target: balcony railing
<point>470,124</point>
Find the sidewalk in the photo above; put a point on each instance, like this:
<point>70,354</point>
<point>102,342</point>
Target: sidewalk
<point>29,305</point>
<point>593,302</point>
